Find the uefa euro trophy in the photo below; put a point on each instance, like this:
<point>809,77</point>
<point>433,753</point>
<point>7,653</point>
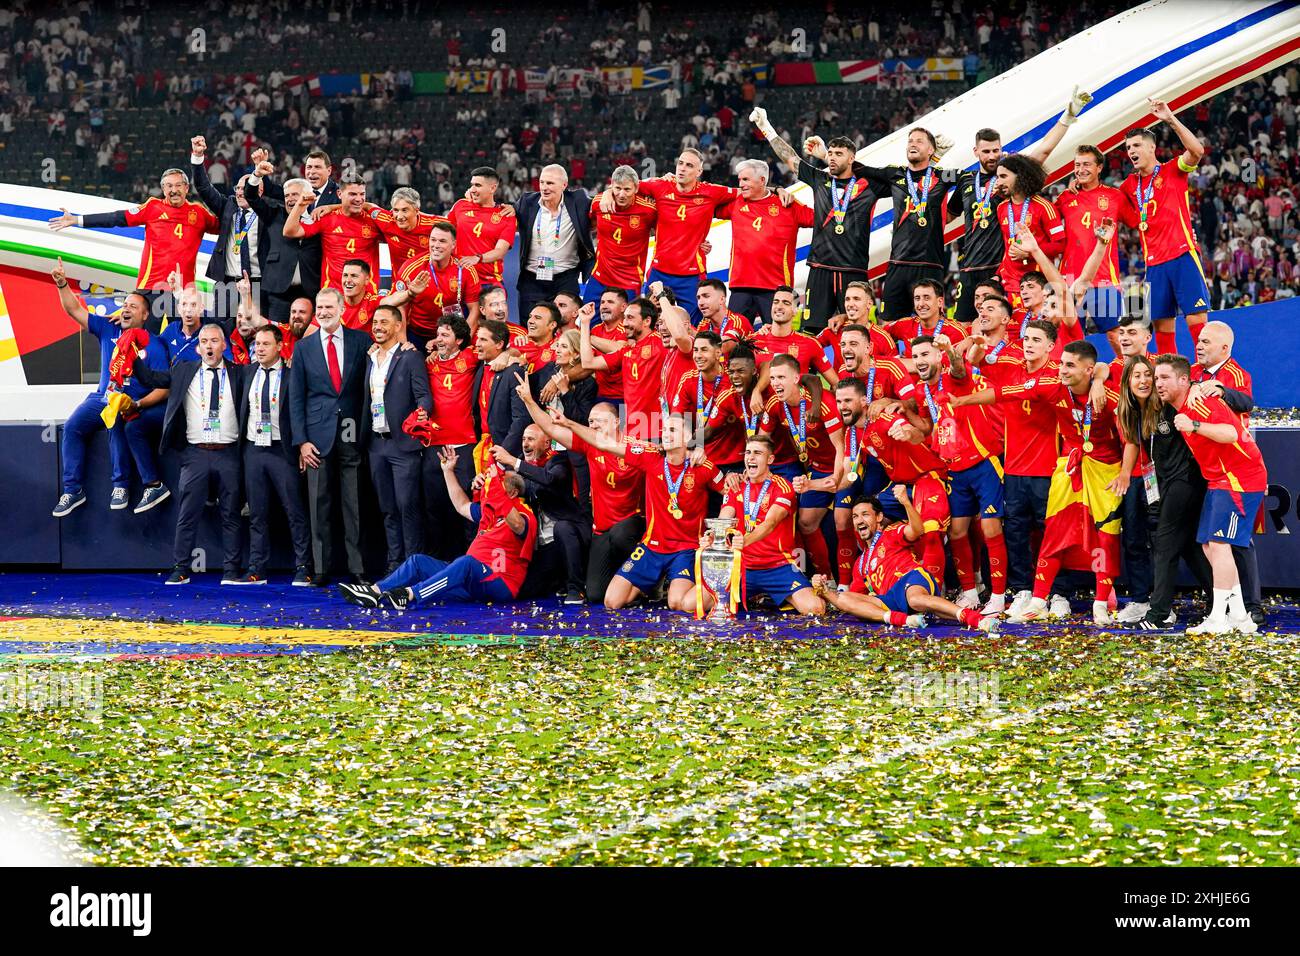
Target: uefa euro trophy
<point>716,565</point>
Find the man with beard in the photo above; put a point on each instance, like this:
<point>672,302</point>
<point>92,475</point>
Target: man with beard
<point>347,232</point>
<point>426,285</point>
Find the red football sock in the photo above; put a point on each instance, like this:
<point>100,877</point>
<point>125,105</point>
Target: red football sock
<point>1048,568</point>
<point>997,563</point>
<point>962,562</point>
<point>1105,588</point>
<point>819,556</point>
<point>846,544</point>
<point>932,555</point>
<point>971,617</point>
<point>1166,343</point>
<point>897,618</point>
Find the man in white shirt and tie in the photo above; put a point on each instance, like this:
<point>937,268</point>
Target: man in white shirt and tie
<point>239,242</point>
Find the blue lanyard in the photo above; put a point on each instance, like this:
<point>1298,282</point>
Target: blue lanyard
<point>865,563</point>
<point>853,448</point>
<point>926,180</point>
<point>871,383</point>
<point>997,349</point>
<point>751,514</point>
<point>800,437</point>
<point>1014,225</point>
<point>675,486</point>
<point>930,403</point>
<point>559,218</point>
<point>1145,197</point>
<point>705,412</point>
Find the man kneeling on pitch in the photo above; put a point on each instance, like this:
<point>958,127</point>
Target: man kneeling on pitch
<point>496,564</point>
<point>764,544</point>
<point>889,584</point>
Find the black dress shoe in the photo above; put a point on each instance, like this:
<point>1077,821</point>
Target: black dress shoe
<point>1257,615</point>
<point>321,582</point>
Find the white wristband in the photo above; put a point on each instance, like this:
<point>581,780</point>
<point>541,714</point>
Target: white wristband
<point>196,159</point>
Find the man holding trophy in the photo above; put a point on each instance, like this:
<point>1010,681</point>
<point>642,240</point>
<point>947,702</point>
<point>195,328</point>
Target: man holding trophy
<point>756,557</point>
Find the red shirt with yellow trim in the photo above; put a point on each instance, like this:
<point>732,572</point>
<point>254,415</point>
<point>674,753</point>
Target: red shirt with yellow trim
<point>1081,213</point>
<point>452,383</point>
<point>684,221</point>
<point>344,237</point>
<point>359,316</point>
<point>904,330</point>
<point>496,545</point>
<point>1169,217</point>
<point>1071,412</point>
<point>880,567</point>
<point>776,548</point>
<point>734,328</point>
<point>903,461</point>
<point>623,243</point>
<point>447,285</point>
<point>890,379</point>
<point>609,383</point>
<point>763,238</point>
<point>641,364</point>
<point>1229,466</point>
<point>665,534</point>
<point>1229,375</point>
<point>805,349</point>
<point>1029,428</point>
<point>979,427</point>
<point>172,236</point>
<point>402,245</point>
<point>1042,219</point>
<point>617,486</point>
<point>777,416</point>
<point>697,396</point>
<point>478,230</point>
<point>534,355</point>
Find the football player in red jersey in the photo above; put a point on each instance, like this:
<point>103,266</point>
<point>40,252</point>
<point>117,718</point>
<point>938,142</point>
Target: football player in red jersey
<point>1238,481</point>
<point>717,316</point>
<point>1082,208</point>
<point>173,231</point>
<point>427,285</point>
<point>929,318</point>
<point>697,396</point>
<point>543,326</point>
<point>859,309</point>
<point>1025,210</point>
<point>884,375</point>
<point>622,237</point>
<point>485,229</point>
<point>613,304</point>
<point>889,584</point>
<point>764,232</point>
<point>359,303</point>
<point>451,370</point>
<point>863,473</point>
<point>779,338</point>
<point>346,232</point>
<point>404,228</point>
<point>1157,193</point>
<point>1132,337</point>
<point>677,363</point>
<point>1059,302</point>
<point>970,441</point>
<point>686,208</point>
<point>731,409</point>
<point>763,541</point>
<point>820,447</point>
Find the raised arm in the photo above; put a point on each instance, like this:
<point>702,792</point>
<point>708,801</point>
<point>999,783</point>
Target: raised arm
<point>73,306</point>
<point>293,224</point>
<point>539,415</point>
<point>211,196</point>
<point>784,151</point>
<point>1192,148</point>
<point>915,528</point>
<point>590,359</point>
<point>447,458</point>
<point>1043,148</point>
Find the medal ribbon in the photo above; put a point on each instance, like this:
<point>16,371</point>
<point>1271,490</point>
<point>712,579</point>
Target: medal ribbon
<point>705,412</point>
<point>801,436</point>
<point>433,273</point>
<point>751,514</point>
<point>840,201</point>
<point>982,209</point>
<point>1144,197</point>
<point>926,181</point>
<point>1014,223</point>
<point>674,486</point>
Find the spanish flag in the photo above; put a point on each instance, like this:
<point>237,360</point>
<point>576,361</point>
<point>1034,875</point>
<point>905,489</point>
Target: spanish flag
<point>1083,516</point>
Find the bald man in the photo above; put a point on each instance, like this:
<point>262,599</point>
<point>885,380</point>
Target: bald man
<point>556,251</point>
<point>1216,372</point>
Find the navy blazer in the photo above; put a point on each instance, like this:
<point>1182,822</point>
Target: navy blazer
<point>507,415</point>
<point>315,408</point>
<point>550,488</point>
<point>281,409</point>
<point>284,254</point>
<point>225,208</point>
<point>577,205</point>
<point>178,379</point>
<point>405,389</point>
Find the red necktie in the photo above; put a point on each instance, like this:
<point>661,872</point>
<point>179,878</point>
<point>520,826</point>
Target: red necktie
<point>336,374</point>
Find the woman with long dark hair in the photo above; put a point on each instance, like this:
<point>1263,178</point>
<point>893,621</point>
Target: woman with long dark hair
<point>1173,485</point>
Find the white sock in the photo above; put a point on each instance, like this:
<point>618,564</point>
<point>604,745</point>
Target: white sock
<point>1236,605</point>
<point>1220,608</point>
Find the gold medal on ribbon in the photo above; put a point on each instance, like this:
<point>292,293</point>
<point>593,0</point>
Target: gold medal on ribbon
<point>1087,446</point>
<point>839,229</point>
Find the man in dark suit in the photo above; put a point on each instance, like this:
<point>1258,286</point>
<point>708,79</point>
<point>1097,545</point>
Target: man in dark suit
<point>397,384</point>
<point>292,266</point>
<point>499,412</point>
<point>270,461</point>
<point>327,391</point>
<point>241,243</point>
<point>202,423</point>
<point>555,247</point>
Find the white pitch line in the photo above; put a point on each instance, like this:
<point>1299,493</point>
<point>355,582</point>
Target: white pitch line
<point>839,768</point>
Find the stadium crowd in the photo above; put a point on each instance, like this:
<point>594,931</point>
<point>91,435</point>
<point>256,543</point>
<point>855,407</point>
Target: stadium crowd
<point>903,436</point>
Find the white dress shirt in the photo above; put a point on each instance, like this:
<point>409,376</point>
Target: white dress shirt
<point>234,267</point>
<point>276,372</point>
<point>337,336</point>
<point>381,363</point>
<point>197,401</point>
<point>563,250</point>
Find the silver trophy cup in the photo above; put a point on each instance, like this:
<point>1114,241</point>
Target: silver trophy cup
<point>715,567</point>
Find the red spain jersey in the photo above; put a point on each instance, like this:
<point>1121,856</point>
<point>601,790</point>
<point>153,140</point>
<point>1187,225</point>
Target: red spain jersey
<point>890,560</point>
<point>478,230</point>
<point>452,383</point>
<point>1169,218</point>
<point>447,285</point>
<point>734,328</point>
<point>763,238</point>
<point>497,546</point>
<point>641,364</point>
<point>536,356</point>
<point>665,534</point>
<point>609,383</point>
<point>1081,213</point>
<point>905,330</point>
<point>697,397</point>
<point>1229,375</point>
<point>883,378</point>
<point>344,237</point>
<point>777,416</point>
<point>1229,466</point>
<point>805,349</point>
<point>1072,415</point>
<point>617,486</point>
<point>402,245</point>
<point>684,221</point>
<point>732,411</point>
<point>882,343</point>
<point>677,365</point>
<point>979,429</point>
<point>903,461</point>
<point>172,236</point>
<point>623,243</point>
<point>1040,218</point>
<point>776,548</point>
<point>358,316</point>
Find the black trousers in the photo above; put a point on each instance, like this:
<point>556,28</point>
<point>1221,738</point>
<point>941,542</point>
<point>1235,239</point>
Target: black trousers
<point>337,477</point>
<point>1174,537</point>
<point>1024,510</point>
<point>608,552</point>
<point>897,293</point>
<point>1247,562</point>
<point>269,474</point>
<point>396,476</point>
<point>754,304</point>
<point>198,467</point>
<point>448,534</point>
<point>967,280</point>
<point>574,539</point>
<point>533,290</point>
<point>824,296</point>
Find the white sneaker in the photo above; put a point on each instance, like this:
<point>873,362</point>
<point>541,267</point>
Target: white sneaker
<point>1242,625</point>
<point>1171,620</point>
<point>997,604</point>
<point>968,599</point>
<point>1018,603</point>
<point>1035,610</point>
<point>1214,624</point>
<point>1060,607</point>
<point>1132,612</point>
<point>1101,613</point>
<point>915,620</point>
